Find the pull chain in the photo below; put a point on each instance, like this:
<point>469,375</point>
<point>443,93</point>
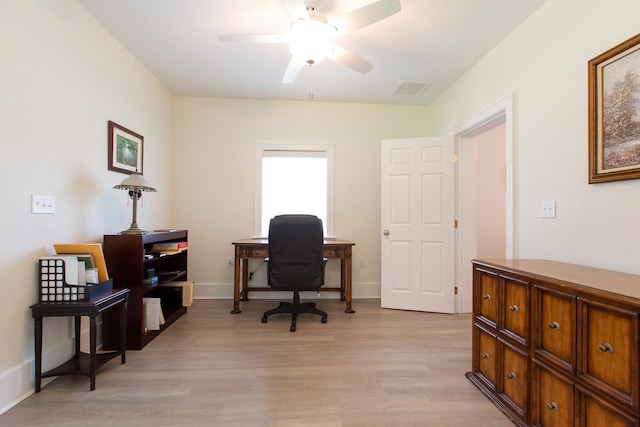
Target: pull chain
<point>310,62</point>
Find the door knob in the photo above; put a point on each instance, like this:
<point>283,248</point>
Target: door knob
<point>385,232</point>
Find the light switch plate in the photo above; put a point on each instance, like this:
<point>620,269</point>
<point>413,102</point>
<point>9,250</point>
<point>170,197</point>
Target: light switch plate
<point>43,204</point>
<point>548,209</point>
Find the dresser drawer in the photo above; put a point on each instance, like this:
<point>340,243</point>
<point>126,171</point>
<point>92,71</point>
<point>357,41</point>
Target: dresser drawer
<point>553,397</point>
<point>516,309</point>
<point>593,411</point>
<point>515,379</point>
<point>555,340</point>
<point>485,358</point>
<point>608,348</point>
<point>486,298</point>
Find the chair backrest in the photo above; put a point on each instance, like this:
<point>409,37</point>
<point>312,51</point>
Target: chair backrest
<point>296,252</point>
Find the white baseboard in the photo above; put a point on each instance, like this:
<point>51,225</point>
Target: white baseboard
<point>15,385</point>
<point>225,291</point>
<point>18,383</point>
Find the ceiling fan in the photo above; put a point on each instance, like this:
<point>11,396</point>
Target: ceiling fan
<point>310,34</point>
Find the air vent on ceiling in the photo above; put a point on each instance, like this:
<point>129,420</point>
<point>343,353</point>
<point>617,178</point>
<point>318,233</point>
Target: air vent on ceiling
<point>411,88</point>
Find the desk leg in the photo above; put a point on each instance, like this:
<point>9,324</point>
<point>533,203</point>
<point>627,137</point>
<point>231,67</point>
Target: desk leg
<point>76,324</point>
<point>236,286</point>
<point>123,332</point>
<point>92,350</point>
<point>347,284</point>
<point>37,321</point>
<point>343,279</point>
<point>244,293</point>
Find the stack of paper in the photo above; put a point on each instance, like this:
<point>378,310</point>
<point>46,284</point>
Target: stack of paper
<point>153,316</point>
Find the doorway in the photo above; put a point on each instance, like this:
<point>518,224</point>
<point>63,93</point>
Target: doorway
<point>485,194</point>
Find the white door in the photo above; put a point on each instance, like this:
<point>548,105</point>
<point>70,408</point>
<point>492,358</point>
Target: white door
<point>417,222</point>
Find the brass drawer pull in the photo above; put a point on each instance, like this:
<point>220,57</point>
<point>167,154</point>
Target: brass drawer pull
<point>513,308</point>
<point>554,325</point>
<point>605,348</point>
<point>511,375</point>
<point>485,355</point>
<point>552,406</point>
<point>486,297</point>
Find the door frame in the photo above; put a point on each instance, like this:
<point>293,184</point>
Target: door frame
<point>465,235</point>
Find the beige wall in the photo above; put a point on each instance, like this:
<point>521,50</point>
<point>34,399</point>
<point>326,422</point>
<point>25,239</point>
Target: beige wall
<point>214,184</point>
<point>544,62</point>
<point>62,78</point>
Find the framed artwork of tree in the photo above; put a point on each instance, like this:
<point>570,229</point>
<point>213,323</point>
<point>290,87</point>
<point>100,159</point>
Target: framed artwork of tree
<point>614,113</point>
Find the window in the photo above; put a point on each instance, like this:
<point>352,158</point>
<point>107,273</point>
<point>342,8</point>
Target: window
<point>293,179</point>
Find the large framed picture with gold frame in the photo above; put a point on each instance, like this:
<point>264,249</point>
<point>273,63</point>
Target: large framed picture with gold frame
<point>614,113</point>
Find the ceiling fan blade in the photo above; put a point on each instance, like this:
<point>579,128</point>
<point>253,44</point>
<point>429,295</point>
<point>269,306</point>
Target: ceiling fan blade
<point>366,15</point>
<point>349,59</point>
<point>293,69</point>
<point>296,9</point>
<point>254,38</point>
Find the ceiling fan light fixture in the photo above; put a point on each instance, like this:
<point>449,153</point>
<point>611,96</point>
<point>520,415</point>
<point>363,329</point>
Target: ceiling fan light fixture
<point>310,34</point>
<point>309,41</point>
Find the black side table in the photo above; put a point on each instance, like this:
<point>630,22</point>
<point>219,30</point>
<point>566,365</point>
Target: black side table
<point>81,363</point>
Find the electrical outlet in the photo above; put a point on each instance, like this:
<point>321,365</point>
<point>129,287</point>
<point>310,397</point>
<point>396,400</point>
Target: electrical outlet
<point>548,209</point>
<point>43,204</point>
<point>361,262</point>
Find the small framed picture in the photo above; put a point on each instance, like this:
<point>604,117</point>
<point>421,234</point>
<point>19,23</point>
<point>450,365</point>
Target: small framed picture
<point>125,149</point>
<point>614,113</point>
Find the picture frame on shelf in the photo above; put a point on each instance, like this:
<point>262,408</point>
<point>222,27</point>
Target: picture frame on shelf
<point>614,113</point>
<point>125,149</point>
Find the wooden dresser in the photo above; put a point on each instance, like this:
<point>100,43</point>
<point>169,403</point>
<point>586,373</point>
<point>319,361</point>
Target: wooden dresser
<point>556,344</point>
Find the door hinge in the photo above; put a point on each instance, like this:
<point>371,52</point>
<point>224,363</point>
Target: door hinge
<point>455,290</point>
<point>455,158</point>
<point>455,223</point>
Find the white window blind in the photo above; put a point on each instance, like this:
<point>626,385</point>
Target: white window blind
<point>293,179</point>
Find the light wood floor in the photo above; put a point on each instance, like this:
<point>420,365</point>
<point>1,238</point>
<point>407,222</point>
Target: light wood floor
<point>377,367</point>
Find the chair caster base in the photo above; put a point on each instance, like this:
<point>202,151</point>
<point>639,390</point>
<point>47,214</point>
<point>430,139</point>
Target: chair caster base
<point>294,308</point>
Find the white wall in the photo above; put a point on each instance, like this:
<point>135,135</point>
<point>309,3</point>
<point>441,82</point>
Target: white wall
<point>544,61</point>
<point>214,185</point>
<point>62,77</point>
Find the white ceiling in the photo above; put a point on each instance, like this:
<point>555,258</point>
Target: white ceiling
<point>433,41</point>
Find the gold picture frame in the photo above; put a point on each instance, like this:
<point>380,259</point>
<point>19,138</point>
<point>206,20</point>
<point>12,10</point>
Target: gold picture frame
<point>614,113</point>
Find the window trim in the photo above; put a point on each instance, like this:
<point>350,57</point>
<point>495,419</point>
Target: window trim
<point>327,149</point>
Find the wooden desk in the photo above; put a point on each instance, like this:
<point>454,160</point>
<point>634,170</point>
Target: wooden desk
<point>258,248</point>
<point>81,363</point>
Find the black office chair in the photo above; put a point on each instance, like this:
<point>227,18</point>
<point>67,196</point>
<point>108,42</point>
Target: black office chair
<point>295,262</point>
